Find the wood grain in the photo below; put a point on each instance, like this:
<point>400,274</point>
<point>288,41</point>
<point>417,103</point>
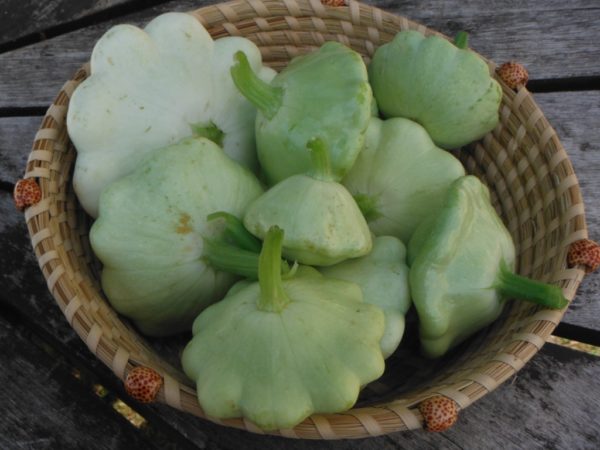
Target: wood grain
<point>575,116</point>
<point>44,406</point>
<point>21,18</point>
<point>56,60</point>
<point>551,403</point>
<point>33,75</point>
<point>23,289</point>
<point>16,138</point>
<point>521,410</point>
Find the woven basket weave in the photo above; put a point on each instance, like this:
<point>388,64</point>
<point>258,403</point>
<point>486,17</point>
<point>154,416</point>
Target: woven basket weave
<point>533,185</point>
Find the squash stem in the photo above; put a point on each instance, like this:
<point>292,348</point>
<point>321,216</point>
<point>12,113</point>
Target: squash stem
<point>209,131</point>
<point>272,296</point>
<point>265,97</point>
<point>236,232</point>
<point>461,40</point>
<point>511,285</point>
<point>320,159</point>
<point>229,258</point>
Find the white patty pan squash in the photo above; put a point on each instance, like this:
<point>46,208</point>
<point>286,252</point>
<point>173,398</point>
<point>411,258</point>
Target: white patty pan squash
<point>278,350</point>
<point>445,87</point>
<point>151,88</point>
<point>152,234</point>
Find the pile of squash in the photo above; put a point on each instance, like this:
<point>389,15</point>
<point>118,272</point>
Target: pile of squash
<point>289,220</point>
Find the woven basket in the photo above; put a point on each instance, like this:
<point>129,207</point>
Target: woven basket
<point>533,185</point>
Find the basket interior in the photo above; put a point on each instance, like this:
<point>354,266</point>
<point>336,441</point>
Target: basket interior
<point>533,187</point>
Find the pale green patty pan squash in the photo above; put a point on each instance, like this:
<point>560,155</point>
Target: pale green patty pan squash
<point>151,88</point>
<point>277,351</point>
<point>324,94</point>
<point>383,277</point>
<point>447,89</point>
<point>400,177</point>
<point>152,229</point>
<point>462,269</point>
<point>323,223</point>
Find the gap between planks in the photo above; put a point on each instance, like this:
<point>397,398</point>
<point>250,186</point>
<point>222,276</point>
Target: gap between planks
<point>110,13</point>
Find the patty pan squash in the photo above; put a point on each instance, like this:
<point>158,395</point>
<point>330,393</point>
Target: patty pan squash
<point>324,94</point>
<point>447,88</point>
<point>278,350</point>
<point>383,277</point>
<point>462,263</point>
<point>400,177</point>
<point>151,88</point>
<point>155,241</point>
<point>323,223</point>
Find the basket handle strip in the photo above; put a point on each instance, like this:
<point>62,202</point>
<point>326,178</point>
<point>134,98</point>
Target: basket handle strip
<point>371,426</point>
<point>93,338</point>
<point>259,8</point>
<point>322,426</point>
<point>406,415</point>
<point>119,363</point>
<point>532,338</point>
<point>484,380</point>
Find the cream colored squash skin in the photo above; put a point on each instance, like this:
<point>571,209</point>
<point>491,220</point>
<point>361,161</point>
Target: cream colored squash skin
<point>446,88</point>
<point>277,351</point>
<point>150,88</point>
<point>151,231</point>
<point>383,278</point>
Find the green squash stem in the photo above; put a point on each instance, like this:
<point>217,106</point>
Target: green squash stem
<point>265,97</point>
<point>229,258</point>
<point>511,285</point>
<point>236,232</point>
<point>209,131</point>
<point>320,159</point>
<point>461,40</point>
<point>272,296</point>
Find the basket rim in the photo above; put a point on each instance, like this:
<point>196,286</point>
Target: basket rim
<point>46,219</point>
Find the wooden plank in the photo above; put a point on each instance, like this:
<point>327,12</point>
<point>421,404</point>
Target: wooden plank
<point>49,64</point>
<point>22,18</point>
<point>24,289</point>
<point>551,403</point>
<point>44,406</point>
<point>547,405</point>
<point>16,139</point>
<point>575,116</point>
<point>549,40</point>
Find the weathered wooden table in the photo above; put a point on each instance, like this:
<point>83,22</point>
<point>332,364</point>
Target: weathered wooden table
<point>55,394</point>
